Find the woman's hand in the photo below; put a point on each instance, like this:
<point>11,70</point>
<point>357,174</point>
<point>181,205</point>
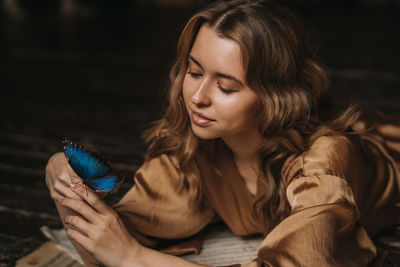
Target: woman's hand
<point>59,175</point>
<point>99,229</point>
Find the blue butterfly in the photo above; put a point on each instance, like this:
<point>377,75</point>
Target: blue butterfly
<point>91,167</point>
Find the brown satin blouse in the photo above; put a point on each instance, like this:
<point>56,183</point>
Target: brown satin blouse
<point>342,191</point>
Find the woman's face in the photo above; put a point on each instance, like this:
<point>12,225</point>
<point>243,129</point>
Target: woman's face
<point>217,98</point>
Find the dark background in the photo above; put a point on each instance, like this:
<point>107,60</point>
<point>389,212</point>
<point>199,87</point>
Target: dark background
<point>95,71</point>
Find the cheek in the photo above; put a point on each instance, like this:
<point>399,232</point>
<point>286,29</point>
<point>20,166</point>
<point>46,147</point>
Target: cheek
<point>186,90</point>
<point>245,115</point>
<point>239,114</point>
<point>189,86</point>
<point>237,107</point>
<point>254,110</point>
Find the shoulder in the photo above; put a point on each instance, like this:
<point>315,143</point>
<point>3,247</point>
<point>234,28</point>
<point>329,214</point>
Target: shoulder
<point>327,155</point>
<point>321,174</point>
<point>161,162</point>
<point>160,171</point>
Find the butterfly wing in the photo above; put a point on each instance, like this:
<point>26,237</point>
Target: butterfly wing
<point>108,184</point>
<point>85,163</point>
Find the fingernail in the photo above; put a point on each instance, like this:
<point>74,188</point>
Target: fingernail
<point>72,185</point>
<point>58,200</point>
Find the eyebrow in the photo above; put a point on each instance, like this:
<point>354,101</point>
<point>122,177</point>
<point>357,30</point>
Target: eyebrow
<point>219,74</point>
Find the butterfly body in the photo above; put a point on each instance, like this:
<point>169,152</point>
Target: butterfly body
<point>91,167</point>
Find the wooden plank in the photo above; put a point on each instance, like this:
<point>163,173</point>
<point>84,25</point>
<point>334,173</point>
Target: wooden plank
<point>38,204</point>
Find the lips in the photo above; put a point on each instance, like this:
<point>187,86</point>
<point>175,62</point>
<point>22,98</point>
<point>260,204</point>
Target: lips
<point>199,119</point>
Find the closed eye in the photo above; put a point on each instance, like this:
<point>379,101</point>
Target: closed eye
<point>194,74</point>
<point>226,91</point>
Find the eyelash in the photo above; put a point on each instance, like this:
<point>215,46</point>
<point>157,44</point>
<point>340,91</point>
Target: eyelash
<point>226,91</point>
<point>194,74</point>
<point>197,75</point>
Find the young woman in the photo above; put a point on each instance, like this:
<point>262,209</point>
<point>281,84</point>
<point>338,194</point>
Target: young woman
<point>245,140</point>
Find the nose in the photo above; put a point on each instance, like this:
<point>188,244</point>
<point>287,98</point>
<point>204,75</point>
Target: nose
<point>201,96</point>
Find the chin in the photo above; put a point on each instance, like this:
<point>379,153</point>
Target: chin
<point>203,133</point>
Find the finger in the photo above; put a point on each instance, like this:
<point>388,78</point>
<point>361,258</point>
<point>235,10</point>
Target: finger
<point>90,197</point>
<point>79,223</point>
<point>80,207</point>
<point>55,195</point>
<point>72,174</point>
<point>101,195</point>
<point>81,239</point>
<point>64,190</point>
<point>68,175</point>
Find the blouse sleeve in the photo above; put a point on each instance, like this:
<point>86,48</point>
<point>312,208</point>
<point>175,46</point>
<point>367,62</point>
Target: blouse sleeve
<point>323,227</point>
<point>157,208</point>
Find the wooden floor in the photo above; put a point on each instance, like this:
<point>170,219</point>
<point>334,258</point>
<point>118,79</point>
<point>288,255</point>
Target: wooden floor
<point>98,79</point>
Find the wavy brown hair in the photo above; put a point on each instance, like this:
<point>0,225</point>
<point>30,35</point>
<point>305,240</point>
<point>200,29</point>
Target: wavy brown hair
<point>281,66</point>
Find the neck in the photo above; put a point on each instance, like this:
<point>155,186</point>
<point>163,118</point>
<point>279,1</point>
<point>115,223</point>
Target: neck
<point>244,148</point>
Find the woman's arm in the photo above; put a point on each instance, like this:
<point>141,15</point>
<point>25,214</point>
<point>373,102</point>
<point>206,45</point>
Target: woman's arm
<point>323,228</point>
<point>59,175</point>
<point>100,230</point>
<point>138,205</point>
